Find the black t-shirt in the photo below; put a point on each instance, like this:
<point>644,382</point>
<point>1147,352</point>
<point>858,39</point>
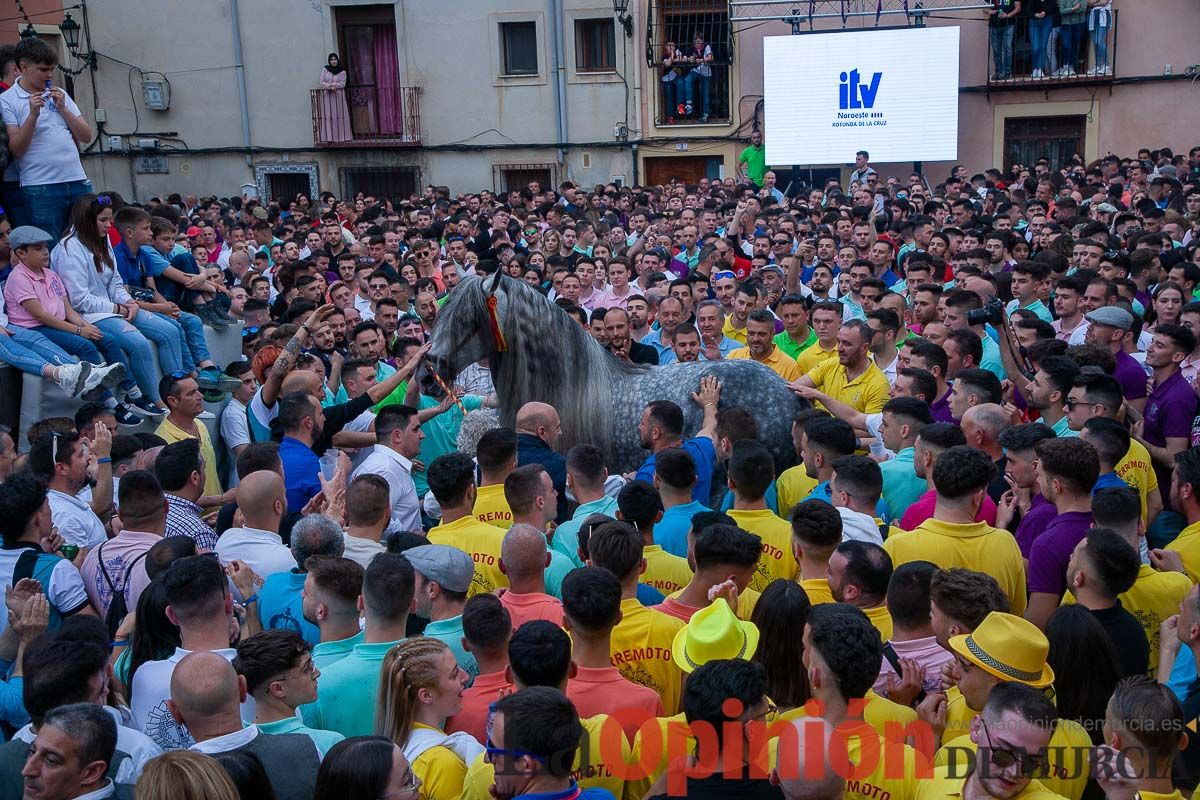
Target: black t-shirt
<point>1128,638</point>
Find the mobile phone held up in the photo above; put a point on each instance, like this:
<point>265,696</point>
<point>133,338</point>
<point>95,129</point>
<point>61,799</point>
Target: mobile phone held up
<point>48,97</point>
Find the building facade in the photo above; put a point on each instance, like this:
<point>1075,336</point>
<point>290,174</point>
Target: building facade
<point>208,95</point>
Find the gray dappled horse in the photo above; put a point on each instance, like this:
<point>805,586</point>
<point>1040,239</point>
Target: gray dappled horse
<point>600,399</point>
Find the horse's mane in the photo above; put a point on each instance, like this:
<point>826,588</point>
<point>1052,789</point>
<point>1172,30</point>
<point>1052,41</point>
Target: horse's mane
<point>551,359</point>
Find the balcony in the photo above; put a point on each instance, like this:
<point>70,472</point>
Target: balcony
<point>366,116</point>
<point>678,22</point>
<point>1094,63</point>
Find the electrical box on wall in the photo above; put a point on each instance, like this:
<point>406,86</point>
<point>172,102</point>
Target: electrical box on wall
<point>154,92</point>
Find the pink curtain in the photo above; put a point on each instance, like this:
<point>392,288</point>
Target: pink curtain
<point>387,81</point>
<point>361,66</point>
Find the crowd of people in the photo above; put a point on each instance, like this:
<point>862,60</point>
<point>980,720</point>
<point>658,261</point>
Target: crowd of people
<point>978,579</point>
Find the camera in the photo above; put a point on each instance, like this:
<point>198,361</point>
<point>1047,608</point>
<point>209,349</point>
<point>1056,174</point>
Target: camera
<point>991,314</point>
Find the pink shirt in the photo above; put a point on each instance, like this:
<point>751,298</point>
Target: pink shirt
<point>602,690</point>
<point>928,654</point>
<point>46,288</point>
<point>609,299</point>
<point>1060,333</point>
<point>922,510</point>
<point>118,553</point>
<point>524,608</point>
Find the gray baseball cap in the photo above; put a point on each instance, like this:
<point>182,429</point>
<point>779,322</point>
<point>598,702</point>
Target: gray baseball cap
<point>1111,316</point>
<point>26,235</point>
<point>446,566</point>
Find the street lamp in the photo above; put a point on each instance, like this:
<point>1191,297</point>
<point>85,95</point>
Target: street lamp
<point>70,30</point>
<point>70,33</point>
<point>621,7</point>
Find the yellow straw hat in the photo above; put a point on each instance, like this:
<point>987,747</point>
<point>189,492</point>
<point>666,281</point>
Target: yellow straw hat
<point>1008,647</point>
<point>714,633</point>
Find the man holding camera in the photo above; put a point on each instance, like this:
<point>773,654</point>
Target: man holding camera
<point>966,309</point>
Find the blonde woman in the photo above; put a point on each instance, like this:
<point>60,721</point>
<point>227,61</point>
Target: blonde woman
<point>551,242</point>
<point>420,686</point>
<point>185,775</point>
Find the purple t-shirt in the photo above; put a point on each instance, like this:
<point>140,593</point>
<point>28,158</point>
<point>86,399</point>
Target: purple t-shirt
<point>1033,524</point>
<point>940,408</point>
<point>1131,375</point>
<point>1169,414</point>
<point>1051,552</point>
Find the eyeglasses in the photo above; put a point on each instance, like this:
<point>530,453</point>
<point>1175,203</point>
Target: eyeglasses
<point>308,670</point>
<point>410,787</point>
<point>1071,402</point>
<point>1031,764</point>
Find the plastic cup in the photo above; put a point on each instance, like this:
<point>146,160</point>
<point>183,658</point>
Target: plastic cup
<point>329,464</point>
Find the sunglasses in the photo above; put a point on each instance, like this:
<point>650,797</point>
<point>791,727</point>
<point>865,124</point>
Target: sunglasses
<point>103,200</point>
<point>1031,764</point>
<point>725,273</point>
<point>249,331</point>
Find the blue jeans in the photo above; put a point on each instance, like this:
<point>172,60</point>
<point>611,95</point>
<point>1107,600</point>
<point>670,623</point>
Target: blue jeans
<point>670,96</point>
<point>122,343</point>
<point>1071,37</point>
<point>29,351</point>
<point>48,205</point>
<point>82,349</point>
<point>1001,37</point>
<point>167,337</point>
<point>1100,46</point>
<point>689,90</point>
<point>191,329</point>
<point>1039,40</point>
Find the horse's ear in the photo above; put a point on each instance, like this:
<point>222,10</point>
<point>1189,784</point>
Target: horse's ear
<point>495,278</point>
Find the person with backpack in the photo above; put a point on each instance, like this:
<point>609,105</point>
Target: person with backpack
<point>114,573</point>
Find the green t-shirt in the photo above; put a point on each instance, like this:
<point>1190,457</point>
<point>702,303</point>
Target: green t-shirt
<point>441,434</point>
<point>755,159</point>
<point>788,345</point>
<point>347,692</point>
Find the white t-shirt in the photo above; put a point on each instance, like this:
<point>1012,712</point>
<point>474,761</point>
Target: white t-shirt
<point>75,520</point>
<point>53,154</point>
<point>235,431</point>
<point>361,550</point>
<point>61,582</point>
<point>152,688</point>
<point>263,551</point>
<point>397,471</point>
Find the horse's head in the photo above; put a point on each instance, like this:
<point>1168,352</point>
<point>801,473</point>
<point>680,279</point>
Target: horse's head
<point>462,332</point>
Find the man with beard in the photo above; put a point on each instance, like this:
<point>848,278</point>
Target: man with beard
<point>686,347</point>
<point>620,344</point>
<point>367,343</point>
<point>760,346</point>
<point>640,317</point>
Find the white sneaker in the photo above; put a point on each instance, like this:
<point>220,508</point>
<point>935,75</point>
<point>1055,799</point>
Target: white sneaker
<point>1037,73</point>
<point>108,376</point>
<point>72,378</point>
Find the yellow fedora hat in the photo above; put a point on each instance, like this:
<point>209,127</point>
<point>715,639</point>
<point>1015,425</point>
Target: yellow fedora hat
<point>714,633</point>
<point>1008,647</point>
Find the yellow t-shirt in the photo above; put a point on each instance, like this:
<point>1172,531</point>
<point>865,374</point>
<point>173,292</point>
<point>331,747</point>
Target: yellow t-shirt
<point>1067,756</point>
<point>779,361</point>
<point>942,786</point>
<point>958,716</point>
<point>815,355</point>
<point>1137,470</point>
<point>597,773</point>
<point>1155,596</point>
<point>168,431</point>
<point>737,334</point>
<point>866,393</point>
<point>441,771</point>
<point>492,508</point>
<point>747,600</point>
<point>1187,544</point>
<point>882,621</point>
<point>976,546</point>
<point>482,543</point>
<point>776,560</point>
<point>792,486</point>
<point>665,571</point>
<point>818,591</point>
<point>890,720</point>
<point>640,649</point>
<point>891,770</point>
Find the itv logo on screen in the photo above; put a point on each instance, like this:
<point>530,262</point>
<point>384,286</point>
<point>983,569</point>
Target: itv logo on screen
<point>853,93</point>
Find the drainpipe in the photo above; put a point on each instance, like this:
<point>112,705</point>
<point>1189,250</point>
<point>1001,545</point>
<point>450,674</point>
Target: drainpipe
<point>240,69</point>
<point>560,76</point>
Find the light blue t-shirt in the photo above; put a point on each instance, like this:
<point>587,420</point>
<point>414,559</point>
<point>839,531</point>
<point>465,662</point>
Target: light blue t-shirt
<point>671,531</point>
<point>280,605</point>
<point>566,535</point>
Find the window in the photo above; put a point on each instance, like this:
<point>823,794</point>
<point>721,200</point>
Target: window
<point>393,182</point>
<point>518,48</point>
<point>595,45</point>
<point>1026,139</point>
<point>507,177</point>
